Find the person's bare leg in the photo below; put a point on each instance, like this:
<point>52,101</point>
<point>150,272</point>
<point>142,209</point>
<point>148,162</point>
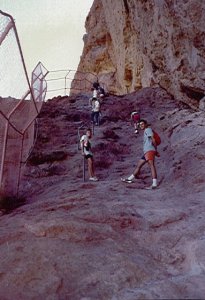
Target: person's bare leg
<point>153,169</point>
<point>140,164</point>
<point>90,167</point>
<point>154,173</point>
<point>136,172</point>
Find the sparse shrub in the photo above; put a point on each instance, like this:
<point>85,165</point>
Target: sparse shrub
<point>9,203</point>
<point>72,100</point>
<point>41,158</point>
<point>56,113</point>
<point>43,138</point>
<point>77,117</point>
<point>100,147</point>
<point>103,163</point>
<point>113,118</point>
<point>105,149</point>
<point>56,170</point>
<point>118,149</point>
<point>107,153</point>
<point>110,134</point>
<point>115,149</point>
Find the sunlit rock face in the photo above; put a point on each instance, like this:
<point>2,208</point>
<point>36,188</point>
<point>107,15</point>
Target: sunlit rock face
<point>138,43</point>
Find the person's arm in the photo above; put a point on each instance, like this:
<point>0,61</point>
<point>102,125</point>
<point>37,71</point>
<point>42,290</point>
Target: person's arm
<point>150,135</point>
<point>82,145</point>
<point>97,105</point>
<point>131,119</point>
<point>154,144</point>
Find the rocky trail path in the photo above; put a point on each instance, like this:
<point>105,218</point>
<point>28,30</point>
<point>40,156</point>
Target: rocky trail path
<point>109,240</point>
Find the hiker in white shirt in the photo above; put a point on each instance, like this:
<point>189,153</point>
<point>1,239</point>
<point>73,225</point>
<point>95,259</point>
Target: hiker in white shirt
<point>95,111</point>
<point>86,151</point>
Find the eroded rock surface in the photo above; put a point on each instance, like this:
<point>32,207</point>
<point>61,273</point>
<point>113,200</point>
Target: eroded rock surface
<point>109,240</point>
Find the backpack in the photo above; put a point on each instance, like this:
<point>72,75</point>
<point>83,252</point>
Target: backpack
<point>157,138</point>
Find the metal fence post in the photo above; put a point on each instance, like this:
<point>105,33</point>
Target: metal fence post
<point>66,82</point>
<point>83,168</point>
<point>93,128</point>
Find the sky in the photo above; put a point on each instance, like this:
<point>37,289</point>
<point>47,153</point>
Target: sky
<point>50,31</point>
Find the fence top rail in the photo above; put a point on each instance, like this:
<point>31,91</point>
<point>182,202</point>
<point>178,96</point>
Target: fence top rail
<point>7,15</point>
<point>71,70</point>
<point>53,71</point>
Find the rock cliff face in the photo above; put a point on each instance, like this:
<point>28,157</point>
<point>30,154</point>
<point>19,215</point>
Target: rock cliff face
<point>131,44</point>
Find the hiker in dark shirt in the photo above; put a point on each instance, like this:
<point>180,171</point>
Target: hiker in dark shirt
<point>98,90</point>
<point>96,85</point>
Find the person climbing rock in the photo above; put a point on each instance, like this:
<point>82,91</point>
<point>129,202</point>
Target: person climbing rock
<point>150,151</point>
<point>95,114</point>
<point>86,151</point>
<point>135,118</point>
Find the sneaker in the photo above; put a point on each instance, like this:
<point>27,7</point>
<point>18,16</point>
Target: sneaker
<point>93,179</point>
<point>152,187</point>
<point>127,180</point>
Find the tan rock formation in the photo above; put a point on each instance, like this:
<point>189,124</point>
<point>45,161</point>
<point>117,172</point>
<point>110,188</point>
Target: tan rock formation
<point>134,44</point>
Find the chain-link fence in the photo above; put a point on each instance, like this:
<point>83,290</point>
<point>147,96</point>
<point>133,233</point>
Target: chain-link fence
<point>20,103</point>
<point>69,82</point>
<point>83,82</point>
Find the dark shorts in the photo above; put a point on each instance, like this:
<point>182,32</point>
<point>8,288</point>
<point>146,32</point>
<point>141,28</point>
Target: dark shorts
<point>88,156</point>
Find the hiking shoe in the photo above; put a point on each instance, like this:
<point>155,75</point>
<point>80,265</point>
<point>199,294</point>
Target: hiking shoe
<point>93,179</point>
<point>152,187</point>
<point>127,180</point>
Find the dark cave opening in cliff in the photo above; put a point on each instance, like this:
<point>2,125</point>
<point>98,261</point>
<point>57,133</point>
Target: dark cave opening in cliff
<point>192,93</point>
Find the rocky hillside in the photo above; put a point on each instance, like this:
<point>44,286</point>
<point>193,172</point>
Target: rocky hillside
<point>134,44</point>
<point>108,240</point>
